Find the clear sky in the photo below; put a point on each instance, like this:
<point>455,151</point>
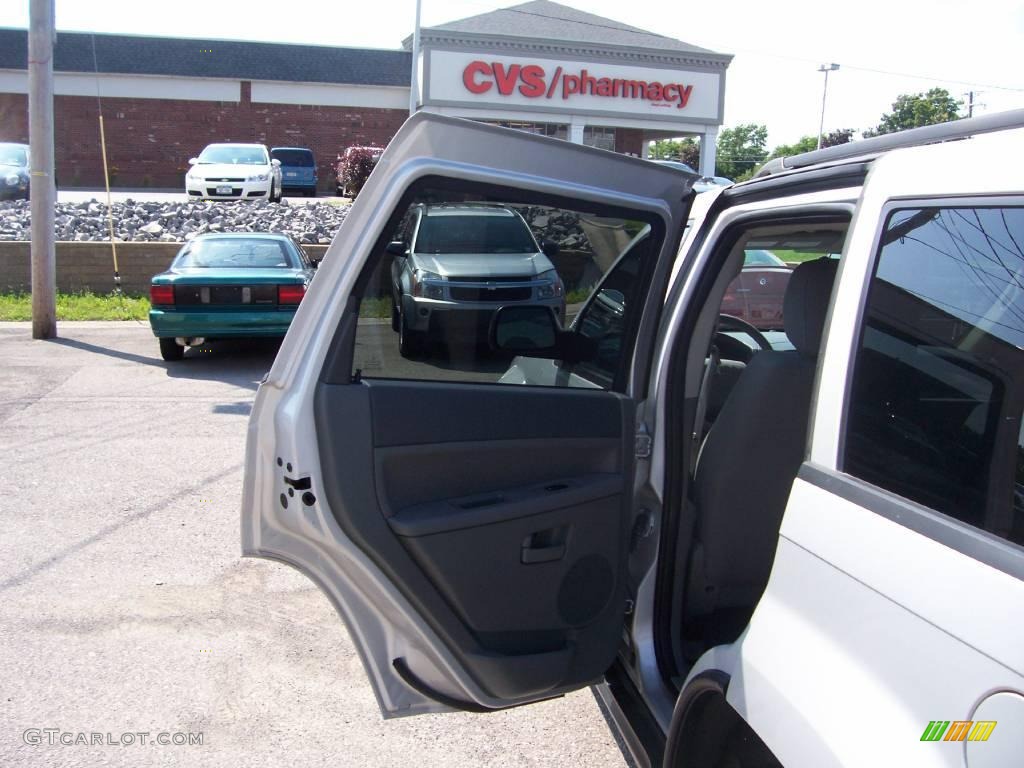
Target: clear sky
<point>884,47</point>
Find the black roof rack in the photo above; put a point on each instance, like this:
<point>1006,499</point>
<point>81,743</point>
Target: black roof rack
<point>928,134</point>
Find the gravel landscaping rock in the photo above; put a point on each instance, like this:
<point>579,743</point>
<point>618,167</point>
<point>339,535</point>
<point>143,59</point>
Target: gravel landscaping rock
<point>172,222</point>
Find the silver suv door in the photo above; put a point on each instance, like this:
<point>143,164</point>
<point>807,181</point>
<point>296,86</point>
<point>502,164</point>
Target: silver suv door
<point>471,535</point>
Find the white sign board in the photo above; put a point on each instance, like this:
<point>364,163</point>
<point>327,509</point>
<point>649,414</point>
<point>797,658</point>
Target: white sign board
<point>523,82</point>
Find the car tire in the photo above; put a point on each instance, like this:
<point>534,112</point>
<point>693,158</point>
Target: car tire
<point>310,193</point>
<point>396,318</point>
<point>273,198</point>
<point>171,350</point>
<point>410,343</point>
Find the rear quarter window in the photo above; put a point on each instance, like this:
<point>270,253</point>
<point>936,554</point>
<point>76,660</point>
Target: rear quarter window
<point>935,413</point>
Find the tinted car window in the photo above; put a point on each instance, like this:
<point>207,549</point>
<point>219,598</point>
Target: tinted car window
<point>474,233</point>
<point>451,259</point>
<point>236,252</point>
<point>295,157</point>
<point>759,258</point>
<point>938,389</point>
<point>11,155</point>
<point>604,318</point>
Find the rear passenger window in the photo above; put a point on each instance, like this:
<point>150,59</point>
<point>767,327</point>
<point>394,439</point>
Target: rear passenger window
<point>938,388</point>
<point>454,256</point>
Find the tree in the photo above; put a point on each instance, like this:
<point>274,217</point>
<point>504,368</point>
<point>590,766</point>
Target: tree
<point>837,137</point>
<point>741,150</point>
<point>806,144</point>
<point>915,110</point>
<point>685,150</point>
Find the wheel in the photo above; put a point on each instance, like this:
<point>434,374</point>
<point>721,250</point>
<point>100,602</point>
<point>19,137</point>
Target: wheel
<point>171,350</point>
<point>395,317</point>
<point>410,343</point>
<point>272,197</point>
<point>311,192</point>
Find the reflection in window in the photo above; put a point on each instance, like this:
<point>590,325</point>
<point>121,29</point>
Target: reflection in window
<point>451,260</point>
<point>935,412</point>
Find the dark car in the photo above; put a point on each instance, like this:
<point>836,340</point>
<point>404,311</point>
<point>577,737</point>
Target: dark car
<point>298,169</point>
<point>14,175</point>
<point>757,292</point>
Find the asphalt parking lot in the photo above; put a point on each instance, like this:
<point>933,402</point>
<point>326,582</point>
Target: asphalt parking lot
<point>125,607</point>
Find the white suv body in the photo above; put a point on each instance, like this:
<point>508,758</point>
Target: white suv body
<point>885,628</point>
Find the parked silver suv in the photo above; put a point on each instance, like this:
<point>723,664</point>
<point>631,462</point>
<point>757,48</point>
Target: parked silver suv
<point>750,547</point>
<point>454,265</point>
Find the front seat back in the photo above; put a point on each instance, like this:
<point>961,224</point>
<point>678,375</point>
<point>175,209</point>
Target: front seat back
<point>751,456</point>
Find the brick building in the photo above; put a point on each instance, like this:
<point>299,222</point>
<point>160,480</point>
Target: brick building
<point>539,66</point>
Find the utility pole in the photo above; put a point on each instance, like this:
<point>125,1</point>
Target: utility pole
<point>971,103</point>
<point>826,68</point>
<point>41,37</point>
<point>414,79</point>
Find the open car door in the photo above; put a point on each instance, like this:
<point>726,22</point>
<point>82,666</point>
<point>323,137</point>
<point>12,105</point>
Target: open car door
<point>473,535</point>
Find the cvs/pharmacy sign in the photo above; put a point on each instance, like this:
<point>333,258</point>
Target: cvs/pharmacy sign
<point>535,81</point>
<point>481,82</point>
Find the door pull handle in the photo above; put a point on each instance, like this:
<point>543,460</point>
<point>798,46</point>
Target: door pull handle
<point>532,555</point>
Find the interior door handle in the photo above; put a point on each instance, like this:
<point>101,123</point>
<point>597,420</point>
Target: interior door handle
<point>543,554</point>
<point>544,546</point>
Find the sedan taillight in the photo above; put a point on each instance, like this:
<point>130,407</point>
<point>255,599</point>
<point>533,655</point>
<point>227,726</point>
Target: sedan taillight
<point>290,294</point>
<point>161,294</point>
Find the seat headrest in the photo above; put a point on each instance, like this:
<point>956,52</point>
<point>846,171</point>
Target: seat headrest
<point>806,303</point>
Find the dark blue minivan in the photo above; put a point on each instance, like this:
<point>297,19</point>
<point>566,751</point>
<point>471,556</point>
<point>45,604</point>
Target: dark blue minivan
<point>298,169</point>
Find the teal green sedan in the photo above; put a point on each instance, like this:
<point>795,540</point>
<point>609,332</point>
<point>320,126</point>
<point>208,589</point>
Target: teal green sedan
<point>228,286</point>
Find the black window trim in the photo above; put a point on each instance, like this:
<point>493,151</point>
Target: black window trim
<point>977,543</point>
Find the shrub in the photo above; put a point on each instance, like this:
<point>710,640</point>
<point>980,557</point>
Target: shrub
<point>355,167</point>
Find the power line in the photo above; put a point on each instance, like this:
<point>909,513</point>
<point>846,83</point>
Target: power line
<point>875,70</point>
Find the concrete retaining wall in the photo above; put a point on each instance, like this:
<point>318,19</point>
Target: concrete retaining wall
<point>90,266</point>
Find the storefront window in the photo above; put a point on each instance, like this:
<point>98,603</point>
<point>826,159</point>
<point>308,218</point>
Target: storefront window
<point>597,136</point>
<point>555,130</point>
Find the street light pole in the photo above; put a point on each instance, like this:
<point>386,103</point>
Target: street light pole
<point>414,77</point>
<point>42,193</point>
<point>826,68</point>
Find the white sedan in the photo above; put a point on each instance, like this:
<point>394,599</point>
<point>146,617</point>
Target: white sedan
<point>234,172</point>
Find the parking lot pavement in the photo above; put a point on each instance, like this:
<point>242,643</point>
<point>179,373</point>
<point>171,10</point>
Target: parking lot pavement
<point>124,605</point>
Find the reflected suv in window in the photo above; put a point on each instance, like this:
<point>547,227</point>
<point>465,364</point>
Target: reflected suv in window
<point>456,264</point>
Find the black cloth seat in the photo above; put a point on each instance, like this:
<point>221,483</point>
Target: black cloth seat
<point>748,462</point>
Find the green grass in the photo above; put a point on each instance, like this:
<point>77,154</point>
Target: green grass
<point>578,296</point>
<point>375,307</point>
<point>78,306</point>
<point>796,256</point>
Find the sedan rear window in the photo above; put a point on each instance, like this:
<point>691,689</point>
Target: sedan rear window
<point>236,252</point>
<point>298,158</point>
<point>473,233</point>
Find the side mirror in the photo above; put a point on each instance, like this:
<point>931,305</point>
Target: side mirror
<point>549,248</point>
<point>193,160</point>
<point>397,248</point>
<point>276,163</point>
<point>534,331</point>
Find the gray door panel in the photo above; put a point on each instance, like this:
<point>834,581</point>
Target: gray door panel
<point>508,540</point>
